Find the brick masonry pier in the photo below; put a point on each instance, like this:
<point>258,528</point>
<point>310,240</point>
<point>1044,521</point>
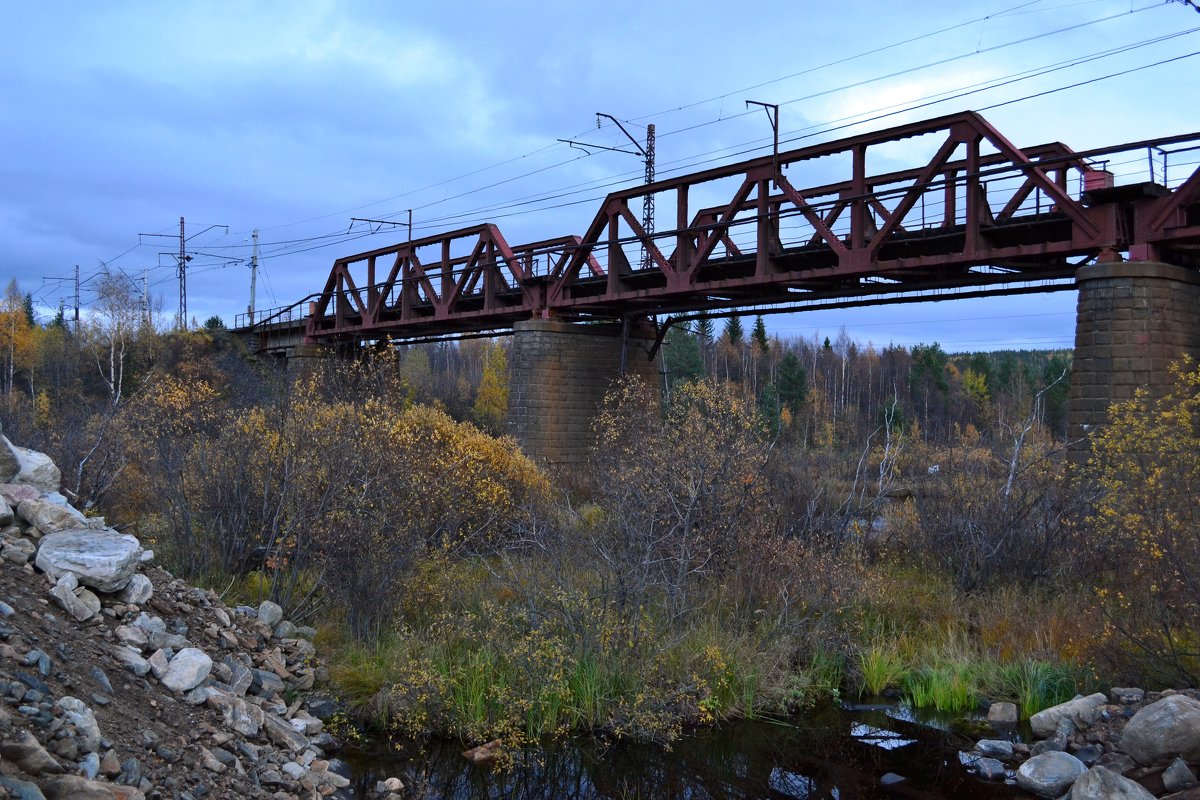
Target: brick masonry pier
<point>560,373</point>
<point>1134,319</point>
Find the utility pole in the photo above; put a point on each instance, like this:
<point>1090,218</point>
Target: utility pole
<point>76,299</point>
<point>647,154</point>
<point>146,294</point>
<point>253,274</point>
<point>182,258</point>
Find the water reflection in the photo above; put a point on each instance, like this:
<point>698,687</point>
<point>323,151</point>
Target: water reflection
<point>830,753</point>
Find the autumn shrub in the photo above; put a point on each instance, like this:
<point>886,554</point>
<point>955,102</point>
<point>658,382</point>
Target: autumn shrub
<point>1146,461</point>
<point>333,490</point>
<point>999,512</point>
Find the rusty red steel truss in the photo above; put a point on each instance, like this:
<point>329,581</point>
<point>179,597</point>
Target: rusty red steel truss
<point>979,212</point>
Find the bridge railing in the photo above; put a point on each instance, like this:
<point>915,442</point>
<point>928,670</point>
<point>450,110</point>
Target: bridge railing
<point>294,313</point>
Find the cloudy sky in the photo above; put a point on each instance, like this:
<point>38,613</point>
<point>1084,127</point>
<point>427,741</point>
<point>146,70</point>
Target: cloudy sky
<point>118,118</point>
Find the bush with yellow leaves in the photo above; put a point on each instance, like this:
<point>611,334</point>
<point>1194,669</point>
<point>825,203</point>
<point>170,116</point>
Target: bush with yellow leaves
<point>1147,462</point>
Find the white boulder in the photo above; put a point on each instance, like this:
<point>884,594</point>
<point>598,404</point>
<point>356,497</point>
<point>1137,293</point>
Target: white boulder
<point>104,560</point>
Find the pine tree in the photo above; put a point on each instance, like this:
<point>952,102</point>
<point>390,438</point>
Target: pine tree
<point>704,330</point>
<point>733,330</point>
<point>759,336</point>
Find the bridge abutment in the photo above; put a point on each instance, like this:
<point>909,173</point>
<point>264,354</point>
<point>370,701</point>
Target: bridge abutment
<point>1133,320</point>
<point>559,374</point>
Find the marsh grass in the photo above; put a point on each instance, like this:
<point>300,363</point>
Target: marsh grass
<point>1035,685</point>
<point>881,667</point>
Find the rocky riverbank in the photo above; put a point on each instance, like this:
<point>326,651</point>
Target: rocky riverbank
<point>1128,744</point>
<point>118,681</point>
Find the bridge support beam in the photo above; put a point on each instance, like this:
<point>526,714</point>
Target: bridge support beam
<point>560,373</point>
<point>1134,319</point>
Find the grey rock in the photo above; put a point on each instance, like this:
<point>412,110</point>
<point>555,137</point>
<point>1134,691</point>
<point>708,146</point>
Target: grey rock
<point>1003,716</point>
<point>1117,762</point>
<point>149,624</point>
<point>37,470</point>
<point>1126,696</point>
<point>269,613</point>
<point>283,734</point>
<point>64,594</point>
<point>6,610</point>
<point>322,708</point>
<point>137,591</point>
<point>285,630</point>
<point>101,679</point>
<point>132,636</point>
<point>990,769</point>
<point>131,772</point>
<point>28,754</point>
<point>21,790</point>
<point>1099,783</point>
<point>1178,776</point>
<point>160,660</point>
<point>101,559</point>
<point>187,670</point>
<point>51,517</point>
<point>89,599</point>
<point>10,462</point>
<point>995,748</point>
<point>1055,744</point>
<point>14,493</point>
<point>1089,754</point>
<point>265,683</point>
<point>1164,729</point>
<point>1049,774</point>
<point>237,714</point>
<point>77,787</point>
<point>132,661</point>
<point>90,766</point>
<point>293,770</point>
<point>167,641</point>
<point>1082,711</point>
<point>87,730</point>
<point>18,551</point>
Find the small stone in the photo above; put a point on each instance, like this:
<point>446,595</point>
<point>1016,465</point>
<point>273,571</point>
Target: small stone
<point>132,661</point>
<point>137,591</point>
<point>1178,776</point>
<point>269,613</point>
<point>159,661</point>
<point>210,761</point>
<point>1126,696</point>
<point>28,754</point>
<point>1049,774</point>
<point>87,730</point>
<point>64,594</point>
<point>1003,716</point>
<point>101,679</point>
<point>110,765</point>
<point>90,766</point>
<point>1088,754</point>
<point>6,610</point>
<point>990,769</point>
<point>187,670</point>
<point>995,748</point>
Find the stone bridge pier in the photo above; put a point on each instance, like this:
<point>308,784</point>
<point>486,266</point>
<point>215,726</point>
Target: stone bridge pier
<point>559,374</point>
<point>1134,319</point>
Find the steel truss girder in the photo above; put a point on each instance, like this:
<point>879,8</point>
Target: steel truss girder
<point>993,204</point>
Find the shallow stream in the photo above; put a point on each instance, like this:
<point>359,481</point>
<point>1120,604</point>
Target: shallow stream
<point>838,752</point>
